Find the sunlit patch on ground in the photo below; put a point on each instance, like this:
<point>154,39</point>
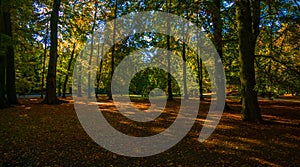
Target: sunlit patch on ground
<point>34,134</point>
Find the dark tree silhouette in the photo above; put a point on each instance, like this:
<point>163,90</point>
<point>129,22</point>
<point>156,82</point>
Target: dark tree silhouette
<point>51,77</point>
<point>248,18</point>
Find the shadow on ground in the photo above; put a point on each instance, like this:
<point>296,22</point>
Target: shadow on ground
<point>34,134</point>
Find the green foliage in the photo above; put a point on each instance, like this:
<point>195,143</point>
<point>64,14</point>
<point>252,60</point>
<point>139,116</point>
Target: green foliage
<point>277,68</point>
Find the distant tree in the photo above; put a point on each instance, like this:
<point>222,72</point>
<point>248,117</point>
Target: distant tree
<point>170,92</point>
<point>44,61</point>
<point>185,91</point>
<point>68,71</point>
<point>113,51</point>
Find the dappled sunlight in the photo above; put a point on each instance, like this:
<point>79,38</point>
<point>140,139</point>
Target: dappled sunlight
<point>281,120</point>
<point>236,116</point>
<point>292,137</point>
<point>264,162</point>
<point>249,140</point>
<point>232,141</point>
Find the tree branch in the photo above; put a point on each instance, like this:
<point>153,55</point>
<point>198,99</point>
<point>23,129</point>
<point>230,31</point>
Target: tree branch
<point>280,62</point>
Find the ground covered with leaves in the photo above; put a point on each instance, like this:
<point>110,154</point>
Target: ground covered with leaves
<point>34,134</point>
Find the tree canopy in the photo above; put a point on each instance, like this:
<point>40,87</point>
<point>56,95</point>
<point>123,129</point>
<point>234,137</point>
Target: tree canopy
<point>41,41</point>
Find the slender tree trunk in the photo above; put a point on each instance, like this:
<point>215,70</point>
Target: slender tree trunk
<point>199,65</point>
<point>68,72</point>
<point>100,67</point>
<point>98,78</point>
<point>90,63</point>
<point>60,77</point>
<point>91,57</point>
<point>79,91</point>
<point>186,96</point>
<point>113,54</point>
<point>44,62</point>
<point>10,63</point>
<point>200,75</point>
<point>170,92</point>
<point>248,30</point>
<point>218,39</point>
<point>201,80</point>
<point>97,73</point>
<point>185,90</point>
<point>51,77</point>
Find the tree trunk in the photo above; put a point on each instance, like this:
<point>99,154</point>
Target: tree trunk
<point>97,73</point>
<point>218,39</point>
<point>10,63</point>
<point>98,78</point>
<point>44,62</point>
<point>60,77</point>
<point>113,53</point>
<point>199,65</point>
<point>2,61</point>
<point>185,90</point>
<point>68,72</point>
<point>51,77</point>
<point>100,68</point>
<point>170,93</point>
<point>79,91</point>
<point>186,96</point>
<point>89,70</point>
<point>2,82</point>
<point>248,23</point>
<point>91,56</point>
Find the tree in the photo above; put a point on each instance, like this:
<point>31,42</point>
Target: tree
<point>51,77</point>
<point>44,62</point>
<point>185,92</point>
<point>113,52</point>
<point>2,59</point>
<point>248,18</point>
<point>68,71</point>
<point>199,61</point>
<point>10,63</point>
<point>98,75</point>
<point>91,50</point>
<point>170,92</point>
<point>218,28</point>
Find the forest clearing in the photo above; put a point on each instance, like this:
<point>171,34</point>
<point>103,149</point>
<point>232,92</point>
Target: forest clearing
<point>149,83</point>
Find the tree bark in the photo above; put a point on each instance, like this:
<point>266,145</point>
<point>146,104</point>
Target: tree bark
<point>100,67</point>
<point>60,77</point>
<point>199,65</point>
<point>2,60</point>
<point>91,56</point>
<point>170,92</point>
<point>79,91</point>
<point>2,82</point>
<point>218,39</point>
<point>10,63</point>
<point>68,72</point>
<point>185,91</point>
<point>248,30</point>
<point>44,62</point>
<point>113,53</point>
<point>51,77</point>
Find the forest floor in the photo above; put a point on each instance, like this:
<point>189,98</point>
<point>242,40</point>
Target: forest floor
<point>34,134</point>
